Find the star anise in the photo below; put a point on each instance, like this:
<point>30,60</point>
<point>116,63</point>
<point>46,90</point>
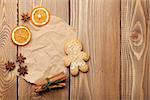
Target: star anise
<point>25,17</point>
<point>10,65</point>
<point>23,70</point>
<point>21,59</point>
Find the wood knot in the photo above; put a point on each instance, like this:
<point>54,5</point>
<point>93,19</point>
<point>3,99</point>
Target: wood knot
<point>135,36</point>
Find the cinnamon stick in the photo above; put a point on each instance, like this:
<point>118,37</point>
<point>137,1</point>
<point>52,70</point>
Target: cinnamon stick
<point>41,89</point>
<point>60,76</point>
<point>53,82</point>
<point>57,86</point>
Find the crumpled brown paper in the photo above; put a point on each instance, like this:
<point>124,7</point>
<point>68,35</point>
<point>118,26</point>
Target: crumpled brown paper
<point>45,51</point>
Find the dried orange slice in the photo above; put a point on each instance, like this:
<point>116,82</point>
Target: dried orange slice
<point>40,16</point>
<point>21,35</point>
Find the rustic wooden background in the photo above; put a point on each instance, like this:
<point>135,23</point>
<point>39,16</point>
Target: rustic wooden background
<point>116,33</point>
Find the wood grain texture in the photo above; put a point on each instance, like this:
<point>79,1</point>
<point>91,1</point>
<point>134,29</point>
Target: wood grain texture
<point>59,8</point>
<point>135,41</point>
<point>98,25</point>
<point>8,20</point>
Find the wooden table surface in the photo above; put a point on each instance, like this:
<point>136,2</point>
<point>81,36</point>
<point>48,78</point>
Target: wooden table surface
<point>116,34</point>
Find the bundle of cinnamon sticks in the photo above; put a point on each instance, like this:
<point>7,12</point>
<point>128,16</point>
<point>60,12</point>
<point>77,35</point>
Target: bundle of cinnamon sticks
<point>54,82</point>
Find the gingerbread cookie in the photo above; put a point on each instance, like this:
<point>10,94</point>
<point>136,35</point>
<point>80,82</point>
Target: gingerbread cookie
<point>75,57</point>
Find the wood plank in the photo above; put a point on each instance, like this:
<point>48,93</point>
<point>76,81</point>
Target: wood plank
<point>98,26</point>
<point>135,41</point>
<point>8,20</point>
<point>59,8</point>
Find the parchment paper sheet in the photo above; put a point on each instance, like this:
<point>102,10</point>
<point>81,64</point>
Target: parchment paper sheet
<point>45,51</point>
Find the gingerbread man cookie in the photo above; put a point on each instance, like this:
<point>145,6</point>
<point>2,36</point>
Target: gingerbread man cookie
<point>75,58</point>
